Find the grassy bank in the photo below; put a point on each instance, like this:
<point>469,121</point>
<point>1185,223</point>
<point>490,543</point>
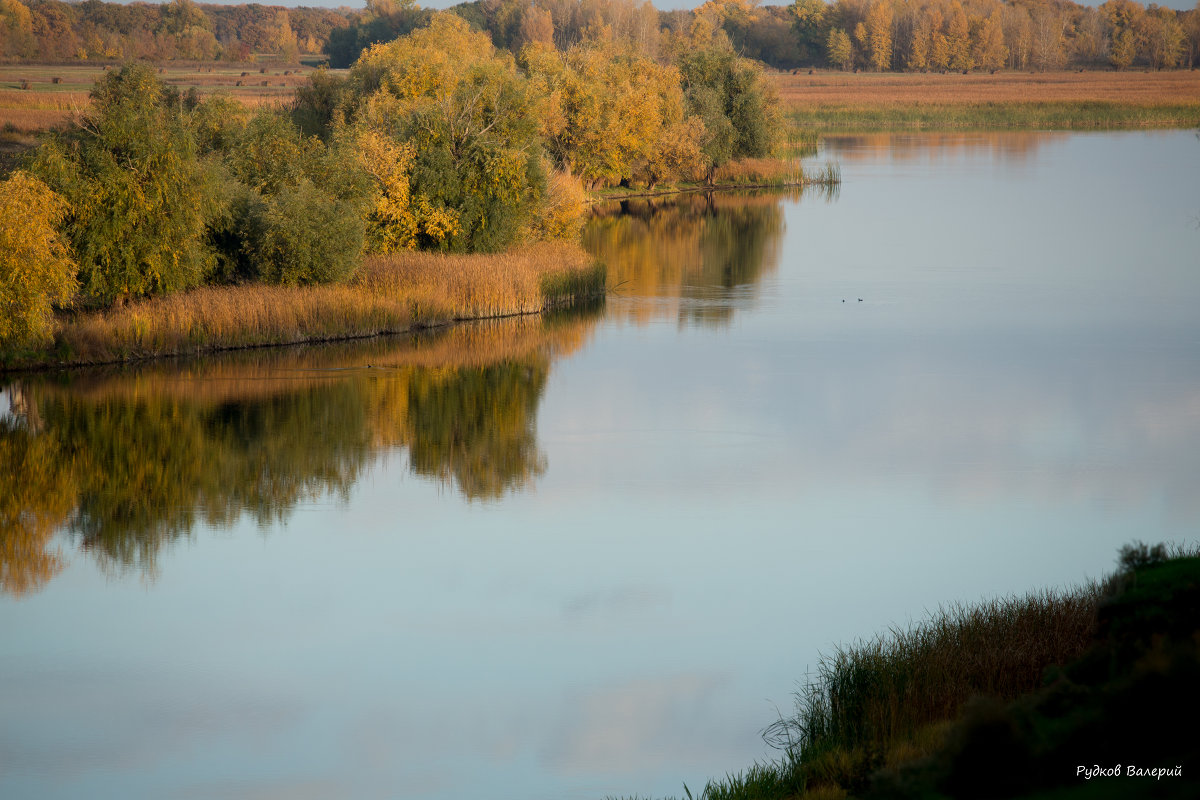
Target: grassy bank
<point>1062,115</point>
<point>389,294</point>
<point>840,101</point>
<point>1006,699</point>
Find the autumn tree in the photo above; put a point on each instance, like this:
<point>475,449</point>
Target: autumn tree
<point>879,34</point>
<point>1090,42</point>
<point>612,115</point>
<point>37,272</point>
<point>382,21</point>
<point>988,49</point>
<point>838,48</point>
<point>396,218</point>
<point>918,46</point>
<point>1122,18</point>
<point>958,39</point>
<point>16,30</point>
<point>1049,40</point>
<point>1191,29</point>
<point>1162,37</point>
<point>470,117</point>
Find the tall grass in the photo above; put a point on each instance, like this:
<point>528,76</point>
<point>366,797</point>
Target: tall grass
<point>891,699</point>
<point>883,690</point>
<point>1058,115</point>
<point>747,172</point>
<point>389,294</point>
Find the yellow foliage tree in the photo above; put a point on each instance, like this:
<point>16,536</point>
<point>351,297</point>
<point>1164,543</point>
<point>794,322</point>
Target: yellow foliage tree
<point>36,268</point>
<point>469,117</point>
<point>958,39</point>
<point>397,219</point>
<point>612,114</point>
<point>990,52</point>
<point>879,34</point>
<point>16,29</point>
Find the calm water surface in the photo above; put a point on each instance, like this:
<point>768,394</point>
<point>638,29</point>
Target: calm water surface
<point>592,554</point>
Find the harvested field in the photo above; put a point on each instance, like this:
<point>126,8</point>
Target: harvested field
<point>38,97</point>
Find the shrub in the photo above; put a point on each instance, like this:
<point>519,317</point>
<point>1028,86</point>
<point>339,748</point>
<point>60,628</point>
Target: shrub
<point>294,206</point>
<point>308,237</point>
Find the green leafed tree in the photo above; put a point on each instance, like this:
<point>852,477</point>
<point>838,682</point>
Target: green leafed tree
<point>732,97</point>
<point>295,206</point>
<point>810,24</point>
<point>139,198</point>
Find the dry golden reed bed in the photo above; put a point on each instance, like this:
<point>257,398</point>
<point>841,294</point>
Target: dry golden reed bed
<point>390,294</point>
<point>886,89</point>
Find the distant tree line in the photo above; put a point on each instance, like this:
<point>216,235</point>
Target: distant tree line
<point>963,35</point>
<point>52,30</point>
<point>849,34</point>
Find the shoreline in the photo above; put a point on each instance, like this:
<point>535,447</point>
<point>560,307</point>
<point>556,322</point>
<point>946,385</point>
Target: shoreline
<point>825,100</point>
<point>984,116</point>
<point>1040,682</point>
<point>392,295</point>
<point>724,187</point>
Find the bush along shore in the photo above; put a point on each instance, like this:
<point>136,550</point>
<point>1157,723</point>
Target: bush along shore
<point>1083,694</point>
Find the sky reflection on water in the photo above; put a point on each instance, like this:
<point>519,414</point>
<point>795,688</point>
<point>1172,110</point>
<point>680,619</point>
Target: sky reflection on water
<point>608,547</point>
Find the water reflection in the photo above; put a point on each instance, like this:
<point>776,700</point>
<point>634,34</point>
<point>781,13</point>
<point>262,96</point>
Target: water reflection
<point>1007,148</point>
<point>130,460</point>
<point>695,257</point>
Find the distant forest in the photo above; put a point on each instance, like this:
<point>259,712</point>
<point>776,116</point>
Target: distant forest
<point>914,35</point>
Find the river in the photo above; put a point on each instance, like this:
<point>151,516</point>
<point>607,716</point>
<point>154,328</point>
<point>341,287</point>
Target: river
<point>593,554</point>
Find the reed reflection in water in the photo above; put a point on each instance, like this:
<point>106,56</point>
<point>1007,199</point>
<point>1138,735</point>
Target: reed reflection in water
<point>126,461</point>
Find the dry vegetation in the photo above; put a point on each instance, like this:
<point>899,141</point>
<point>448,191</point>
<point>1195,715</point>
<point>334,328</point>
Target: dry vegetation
<point>390,294</point>
<point>1059,100</point>
<point>882,89</point>
<point>35,98</point>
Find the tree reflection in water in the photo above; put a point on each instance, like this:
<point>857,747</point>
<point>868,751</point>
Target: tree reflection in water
<point>695,256</point>
<point>127,461</point>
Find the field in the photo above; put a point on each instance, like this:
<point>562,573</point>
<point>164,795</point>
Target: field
<point>36,97</point>
<point>842,100</point>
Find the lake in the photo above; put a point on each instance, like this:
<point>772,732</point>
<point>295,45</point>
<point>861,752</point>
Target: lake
<point>593,554</point>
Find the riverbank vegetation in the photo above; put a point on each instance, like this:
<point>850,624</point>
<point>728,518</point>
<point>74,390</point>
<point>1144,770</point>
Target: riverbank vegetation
<point>388,294</point>
<point>436,141</point>
<point>1005,698</point>
<point>833,101</point>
